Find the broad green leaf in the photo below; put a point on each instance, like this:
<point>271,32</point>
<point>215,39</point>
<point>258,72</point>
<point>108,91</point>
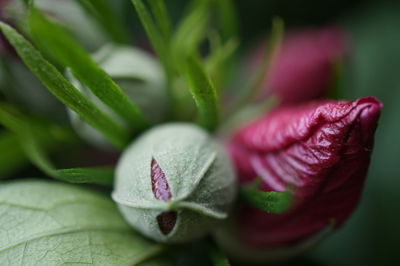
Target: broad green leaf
<point>103,12</point>
<point>63,90</point>
<point>12,156</point>
<point>203,92</point>
<point>271,202</point>
<point>49,223</point>
<point>62,47</point>
<point>30,141</point>
<point>254,87</point>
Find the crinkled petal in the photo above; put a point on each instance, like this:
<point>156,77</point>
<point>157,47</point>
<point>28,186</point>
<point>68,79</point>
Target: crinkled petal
<point>321,149</point>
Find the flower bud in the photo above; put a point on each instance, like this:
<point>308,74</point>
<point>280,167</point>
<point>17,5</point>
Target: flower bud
<point>321,150</point>
<point>139,75</point>
<point>303,68</point>
<point>174,183</point>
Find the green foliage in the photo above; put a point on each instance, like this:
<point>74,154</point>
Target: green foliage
<point>63,90</point>
<point>32,148</point>
<point>190,32</point>
<point>162,18</point>
<point>254,87</point>
<point>56,41</point>
<point>203,93</point>
<point>160,45</point>
<point>34,138</point>
<point>47,223</point>
<point>227,17</point>
<point>102,12</point>
<point>178,52</point>
<point>220,56</point>
<point>271,202</point>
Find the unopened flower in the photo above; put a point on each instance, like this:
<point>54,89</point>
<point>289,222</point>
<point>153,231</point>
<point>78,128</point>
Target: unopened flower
<point>174,183</point>
<point>321,150</point>
<point>303,68</point>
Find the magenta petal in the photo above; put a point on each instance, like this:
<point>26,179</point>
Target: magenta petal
<point>303,67</point>
<point>322,149</point>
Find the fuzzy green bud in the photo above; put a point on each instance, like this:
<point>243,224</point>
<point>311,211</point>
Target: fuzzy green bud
<point>174,183</point>
<point>139,75</point>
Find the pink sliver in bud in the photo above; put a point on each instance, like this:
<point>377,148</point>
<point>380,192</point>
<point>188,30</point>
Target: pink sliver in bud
<point>159,183</point>
<point>322,150</point>
<point>166,220</point>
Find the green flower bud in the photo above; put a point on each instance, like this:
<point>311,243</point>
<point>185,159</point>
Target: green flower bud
<point>139,75</point>
<point>174,183</point>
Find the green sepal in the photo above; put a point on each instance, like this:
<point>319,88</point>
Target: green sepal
<point>271,202</point>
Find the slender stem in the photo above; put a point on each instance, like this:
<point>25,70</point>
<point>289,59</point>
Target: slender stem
<point>255,87</point>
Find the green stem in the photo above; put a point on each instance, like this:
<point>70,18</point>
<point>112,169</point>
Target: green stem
<point>255,87</point>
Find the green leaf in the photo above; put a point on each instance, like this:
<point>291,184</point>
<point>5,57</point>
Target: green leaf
<point>217,62</point>
<point>14,157</point>
<point>153,33</point>
<point>191,31</point>
<point>104,14</point>
<point>158,40</point>
<point>162,18</point>
<point>98,175</point>
<point>63,90</point>
<point>228,18</point>
<point>204,93</point>
<point>58,42</point>
<point>254,87</point>
<point>30,141</point>
<point>48,223</point>
<point>271,202</point>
